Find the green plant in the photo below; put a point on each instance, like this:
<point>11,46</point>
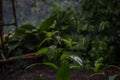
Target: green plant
<point>92,33</point>
<point>111,72</point>
<point>60,60</point>
<point>21,41</point>
<point>63,70</point>
<point>98,64</point>
<point>30,39</point>
<point>55,50</point>
<point>98,20</point>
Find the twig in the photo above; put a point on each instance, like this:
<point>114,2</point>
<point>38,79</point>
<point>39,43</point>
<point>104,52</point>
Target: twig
<point>25,56</point>
<point>14,13</point>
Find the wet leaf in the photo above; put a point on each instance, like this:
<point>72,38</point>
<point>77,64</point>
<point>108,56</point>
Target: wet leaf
<point>47,23</point>
<point>77,59</point>
<point>51,65</point>
<point>67,42</point>
<point>63,72</point>
<point>42,51</point>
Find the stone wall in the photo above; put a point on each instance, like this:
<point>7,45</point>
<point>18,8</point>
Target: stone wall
<point>32,11</point>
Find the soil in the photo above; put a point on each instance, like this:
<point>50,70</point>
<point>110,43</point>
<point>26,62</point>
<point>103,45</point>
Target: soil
<point>17,72</point>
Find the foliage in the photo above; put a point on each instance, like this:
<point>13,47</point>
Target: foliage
<point>98,64</point>
<point>63,70</point>
<point>30,39</point>
<point>93,33</point>
<point>100,19</point>
<point>107,72</point>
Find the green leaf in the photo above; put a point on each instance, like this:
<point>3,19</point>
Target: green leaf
<point>98,64</point>
<point>24,29</point>
<point>27,27</point>
<point>49,34</point>
<point>64,27</point>
<point>97,67</point>
<point>52,47</point>
<point>63,72</point>
<point>77,59</point>
<point>64,56</point>
<point>67,42</point>
<point>42,51</point>
<point>45,25</point>
<point>85,27</point>
<point>97,74</point>
<point>43,41</point>
<point>113,66</point>
<point>103,25</point>
<point>75,66</point>
<point>51,64</point>
<point>112,77</point>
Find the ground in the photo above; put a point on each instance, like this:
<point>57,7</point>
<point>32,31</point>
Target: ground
<point>15,72</point>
